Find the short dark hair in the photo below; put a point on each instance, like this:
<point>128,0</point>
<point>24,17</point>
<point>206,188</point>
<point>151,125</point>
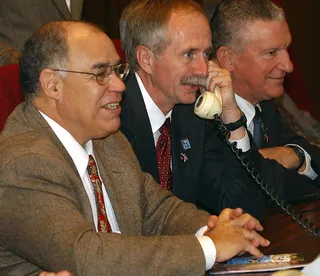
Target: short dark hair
<point>231,17</point>
<point>46,48</point>
<point>148,26</point>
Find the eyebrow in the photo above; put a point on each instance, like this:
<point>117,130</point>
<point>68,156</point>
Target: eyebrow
<point>192,49</point>
<point>99,65</point>
<point>209,49</point>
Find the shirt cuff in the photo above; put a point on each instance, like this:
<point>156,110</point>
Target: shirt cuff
<point>308,171</point>
<point>243,144</point>
<point>208,247</point>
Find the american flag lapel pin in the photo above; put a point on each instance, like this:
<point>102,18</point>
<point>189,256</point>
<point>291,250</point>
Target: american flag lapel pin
<point>184,157</point>
<point>185,144</point>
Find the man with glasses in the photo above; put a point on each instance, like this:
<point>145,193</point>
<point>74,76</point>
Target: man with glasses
<point>72,194</point>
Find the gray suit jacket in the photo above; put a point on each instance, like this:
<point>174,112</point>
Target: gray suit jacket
<point>20,18</point>
<point>46,220</point>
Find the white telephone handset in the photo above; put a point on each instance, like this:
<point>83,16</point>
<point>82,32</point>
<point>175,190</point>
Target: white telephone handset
<point>209,104</point>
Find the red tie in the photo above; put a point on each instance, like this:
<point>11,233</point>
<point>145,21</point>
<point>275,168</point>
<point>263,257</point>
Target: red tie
<point>103,223</point>
<point>163,149</point>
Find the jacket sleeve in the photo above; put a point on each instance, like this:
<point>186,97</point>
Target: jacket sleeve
<point>226,183</point>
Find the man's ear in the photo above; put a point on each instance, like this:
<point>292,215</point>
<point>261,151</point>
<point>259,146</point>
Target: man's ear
<point>50,83</point>
<point>145,57</point>
<point>226,58</point>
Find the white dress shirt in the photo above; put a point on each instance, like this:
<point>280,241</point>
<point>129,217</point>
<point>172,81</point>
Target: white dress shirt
<point>249,111</point>
<point>80,157</point>
<point>68,2</point>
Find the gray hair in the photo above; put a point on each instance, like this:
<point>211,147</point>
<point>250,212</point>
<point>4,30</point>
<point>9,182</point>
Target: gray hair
<point>148,26</point>
<point>124,17</point>
<point>229,23</point>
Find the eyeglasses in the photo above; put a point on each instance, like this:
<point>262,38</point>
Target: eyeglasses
<point>104,74</point>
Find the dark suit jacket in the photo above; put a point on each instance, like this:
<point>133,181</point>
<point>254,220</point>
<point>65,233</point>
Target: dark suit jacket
<point>287,184</point>
<point>20,18</point>
<point>46,219</point>
<point>278,133</point>
<point>207,165</point>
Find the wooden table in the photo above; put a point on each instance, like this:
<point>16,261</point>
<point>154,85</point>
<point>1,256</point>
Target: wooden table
<point>287,236</point>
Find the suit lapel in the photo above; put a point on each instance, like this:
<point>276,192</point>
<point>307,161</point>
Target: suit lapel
<point>136,127</point>
<point>76,8</point>
<point>110,166</point>
<point>62,6</point>
<point>114,171</point>
<point>39,124</point>
<point>187,140</point>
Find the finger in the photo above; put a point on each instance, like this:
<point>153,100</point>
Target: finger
<point>64,273</point>
<point>213,65</point>
<point>212,222</point>
<point>255,239</point>
<point>248,220</point>
<point>253,250</point>
<point>226,213</point>
<point>236,213</point>
<point>251,225</point>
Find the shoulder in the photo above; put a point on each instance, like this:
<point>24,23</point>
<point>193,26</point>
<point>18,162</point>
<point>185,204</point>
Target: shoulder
<point>117,145</point>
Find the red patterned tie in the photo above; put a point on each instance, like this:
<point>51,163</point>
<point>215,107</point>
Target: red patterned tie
<point>103,223</point>
<point>163,149</point>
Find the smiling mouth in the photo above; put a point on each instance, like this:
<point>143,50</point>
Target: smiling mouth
<point>112,105</point>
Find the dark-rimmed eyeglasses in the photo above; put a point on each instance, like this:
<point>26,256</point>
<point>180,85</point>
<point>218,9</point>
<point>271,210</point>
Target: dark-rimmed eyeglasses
<point>105,73</point>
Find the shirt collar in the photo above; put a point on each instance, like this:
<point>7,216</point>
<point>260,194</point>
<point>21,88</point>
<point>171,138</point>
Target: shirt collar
<point>78,154</point>
<point>247,108</point>
<point>156,117</point>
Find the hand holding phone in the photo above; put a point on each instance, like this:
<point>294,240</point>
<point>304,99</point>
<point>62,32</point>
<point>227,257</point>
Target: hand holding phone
<point>211,103</point>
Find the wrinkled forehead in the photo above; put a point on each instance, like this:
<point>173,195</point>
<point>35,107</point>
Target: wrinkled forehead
<point>192,27</point>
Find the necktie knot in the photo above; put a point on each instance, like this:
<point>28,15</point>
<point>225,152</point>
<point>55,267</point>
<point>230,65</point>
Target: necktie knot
<point>258,128</point>
<point>92,167</point>
<point>257,115</point>
<point>165,129</point>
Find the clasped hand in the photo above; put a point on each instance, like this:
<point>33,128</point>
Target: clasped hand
<point>234,233</point>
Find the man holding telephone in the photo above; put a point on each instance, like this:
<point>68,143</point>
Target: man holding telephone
<point>250,39</point>
<point>167,44</point>
<point>168,51</point>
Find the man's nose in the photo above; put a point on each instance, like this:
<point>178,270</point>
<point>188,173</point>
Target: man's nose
<point>201,67</point>
<point>285,63</point>
<point>116,84</point>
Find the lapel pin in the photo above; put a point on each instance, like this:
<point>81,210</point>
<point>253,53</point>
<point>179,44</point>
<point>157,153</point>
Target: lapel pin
<point>184,157</point>
<point>185,144</point>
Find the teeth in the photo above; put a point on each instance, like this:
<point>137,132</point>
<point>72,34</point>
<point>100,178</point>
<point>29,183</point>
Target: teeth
<point>112,105</point>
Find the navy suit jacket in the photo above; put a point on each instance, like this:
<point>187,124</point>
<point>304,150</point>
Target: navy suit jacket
<point>208,166</point>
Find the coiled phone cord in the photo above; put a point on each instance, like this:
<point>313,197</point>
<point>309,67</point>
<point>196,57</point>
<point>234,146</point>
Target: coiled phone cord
<point>256,176</point>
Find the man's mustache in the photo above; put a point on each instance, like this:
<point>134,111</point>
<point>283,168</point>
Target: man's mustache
<point>194,80</point>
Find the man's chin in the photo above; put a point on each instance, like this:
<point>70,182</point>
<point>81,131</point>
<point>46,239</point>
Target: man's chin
<point>189,99</point>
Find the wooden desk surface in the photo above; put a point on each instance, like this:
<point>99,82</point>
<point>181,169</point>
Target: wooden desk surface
<point>287,236</point>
